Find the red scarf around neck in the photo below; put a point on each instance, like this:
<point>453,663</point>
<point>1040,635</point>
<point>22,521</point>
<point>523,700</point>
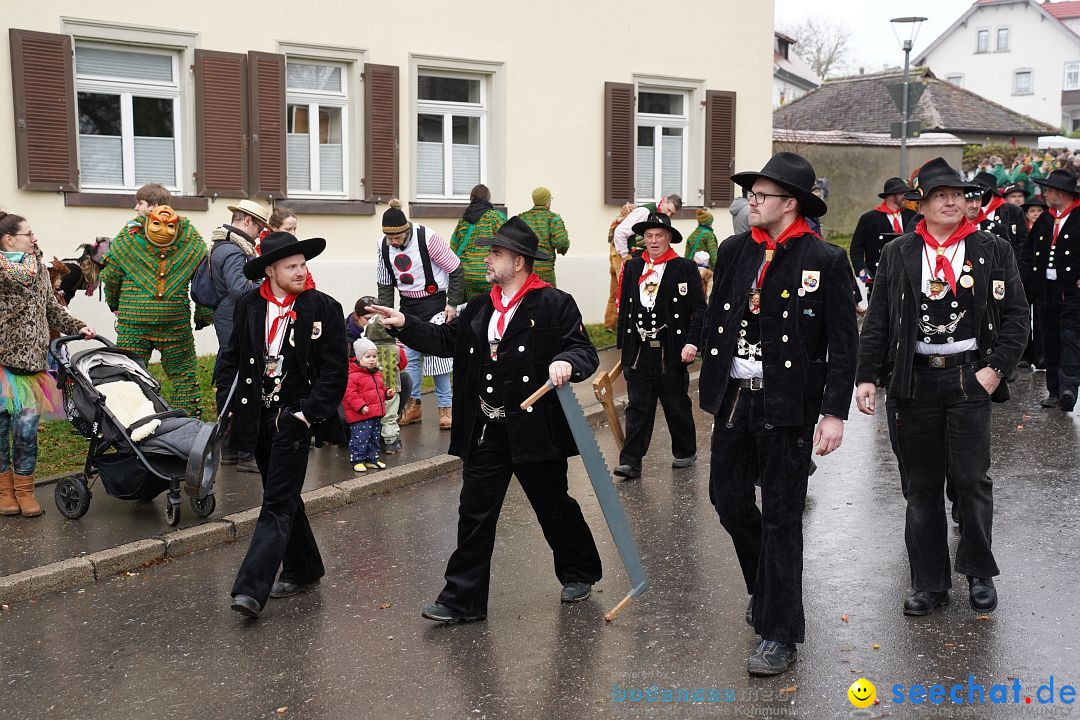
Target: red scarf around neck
<point>795,229</point>
<point>993,205</point>
<point>532,283</point>
<point>894,216</point>
<point>268,295</point>
<point>943,265</point>
<point>650,264</point>
<point>1058,216</point>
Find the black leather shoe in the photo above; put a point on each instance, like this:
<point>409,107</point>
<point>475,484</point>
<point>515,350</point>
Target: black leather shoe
<point>923,602</point>
<point>771,658</point>
<point>573,592</point>
<point>982,593</point>
<point>627,471</point>
<point>284,588</point>
<point>1067,401</point>
<point>750,612</point>
<point>247,465</point>
<point>684,462</point>
<point>955,513</point>
<point>1050,402</point>
<point>246,605</point>
<point>440,613</point>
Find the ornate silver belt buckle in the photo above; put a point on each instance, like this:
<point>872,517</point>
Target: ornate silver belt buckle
<point>937,361</point>
<point>756,383</point>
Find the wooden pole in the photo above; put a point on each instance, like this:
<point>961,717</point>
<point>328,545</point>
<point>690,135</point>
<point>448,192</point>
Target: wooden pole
<point>619,608</point>
<point>605,393</point>
<point>548,386</point>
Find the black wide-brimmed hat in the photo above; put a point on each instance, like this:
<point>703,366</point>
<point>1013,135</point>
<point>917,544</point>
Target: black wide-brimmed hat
<point>515,234</point>
<point>658,221</point>
<point>795,174</point>
<point>278,245</point>
<point>987,180</point>
<point>893,186</point>
<point>1060,180</point>
<point>1014,188</point>
<point>1035,201</point>
<point>934,174</point>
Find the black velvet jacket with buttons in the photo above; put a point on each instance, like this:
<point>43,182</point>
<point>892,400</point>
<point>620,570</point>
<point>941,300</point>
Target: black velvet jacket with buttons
<point>318,359</point>
<point>680,305</point>
<point>1065,252</point>
<point>809,339</point>
<point>545,327</point>
<point>890,328</point>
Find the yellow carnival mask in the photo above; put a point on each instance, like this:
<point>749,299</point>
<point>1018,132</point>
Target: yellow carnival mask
<point>161,225</point>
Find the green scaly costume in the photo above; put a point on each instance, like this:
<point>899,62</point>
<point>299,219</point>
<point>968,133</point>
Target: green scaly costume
<point>551,230</point>
<point>703,238</point>
<point>463,243</point>
<point>147,287</point>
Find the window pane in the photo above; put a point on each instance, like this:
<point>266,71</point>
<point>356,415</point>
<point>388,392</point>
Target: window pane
<point>153,117</point>
<point>466,153</point>
<point>429,155</point>
<point>1023,82</point>
<point>443,89</point>
<point>123,64</point>
<point>645,163</point>
<point>466,130</point>
<point>101,160</point>
<point>155,160</point>
<point>982,40</point>
<point>645,136</point>
<point>1003,39</point>
<point>318,78</point>
<point>671,156</point>
<point>331,166</point>
<point>660,103</point>
<point>297,142</point>
<point>99,114</point>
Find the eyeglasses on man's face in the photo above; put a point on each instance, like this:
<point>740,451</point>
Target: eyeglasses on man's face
<point>758,198</point>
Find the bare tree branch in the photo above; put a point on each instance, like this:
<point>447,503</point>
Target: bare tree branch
<point>822,44</point>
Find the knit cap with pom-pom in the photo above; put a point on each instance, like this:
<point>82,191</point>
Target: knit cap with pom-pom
<point>394,220</point>
<point>704,217</point>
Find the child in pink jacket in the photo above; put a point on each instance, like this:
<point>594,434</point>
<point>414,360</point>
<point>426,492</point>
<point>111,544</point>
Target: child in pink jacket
<point>365,405</point>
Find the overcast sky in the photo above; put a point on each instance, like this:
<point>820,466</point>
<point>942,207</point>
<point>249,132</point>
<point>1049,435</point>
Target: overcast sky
<point>873,44</point>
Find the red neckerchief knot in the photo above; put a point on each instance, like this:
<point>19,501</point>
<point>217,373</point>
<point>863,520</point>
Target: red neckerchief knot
<point>943,265</point>
<point>533,283</point>
<point>651,264</point>
<point>795,229</point>
<point>288,316</point>
<point>1058,216</point>
<point>893,215</point>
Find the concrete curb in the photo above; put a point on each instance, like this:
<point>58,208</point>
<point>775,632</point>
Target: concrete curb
<point>104,564</point>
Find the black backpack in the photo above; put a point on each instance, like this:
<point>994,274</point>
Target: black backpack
<point>203,290</point>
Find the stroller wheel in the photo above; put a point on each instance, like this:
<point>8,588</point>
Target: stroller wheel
<point>72,497</point>
<point>172,513</point>
<point>204,507</point>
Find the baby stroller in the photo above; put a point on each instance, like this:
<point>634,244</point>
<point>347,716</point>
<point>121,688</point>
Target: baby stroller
<point>139,446</point>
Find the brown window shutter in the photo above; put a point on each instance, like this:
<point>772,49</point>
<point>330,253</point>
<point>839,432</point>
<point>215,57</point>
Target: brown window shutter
<point>618,143</point>
<point>43,91</point>
<point>381,122</point>
<point>719,147</point>
<point>266,105</point>
<point>221,135</point>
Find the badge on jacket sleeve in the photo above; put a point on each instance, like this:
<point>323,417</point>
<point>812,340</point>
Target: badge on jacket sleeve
<point>811,279</point>
<point>999,289</point>
<point>316,330</point>
<point>683,289</point>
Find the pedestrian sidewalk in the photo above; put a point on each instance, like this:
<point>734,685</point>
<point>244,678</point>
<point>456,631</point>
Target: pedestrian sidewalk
<point>52,553</point>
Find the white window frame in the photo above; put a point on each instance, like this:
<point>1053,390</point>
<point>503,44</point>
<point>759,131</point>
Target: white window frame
<point>127,89</point>
<point>658,121</point>
<point>956,79</point>
<point>978,32</point>
<point>314,100</point>
<point>1075,65</point>
<point>448,110</point>
<point>1016,73</point>
<point>997,39</point>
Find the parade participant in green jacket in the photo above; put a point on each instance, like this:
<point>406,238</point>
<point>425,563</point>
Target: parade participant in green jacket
<point>549,227</point>
<point>479,221</point>
<point>703,239</point>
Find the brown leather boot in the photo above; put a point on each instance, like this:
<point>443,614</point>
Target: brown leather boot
<point>24,495</point>
<point>444,418</point>
<point>8,506</point>
<point>414,412</point>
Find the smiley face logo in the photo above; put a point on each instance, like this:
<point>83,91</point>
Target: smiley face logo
<point>862,693</point>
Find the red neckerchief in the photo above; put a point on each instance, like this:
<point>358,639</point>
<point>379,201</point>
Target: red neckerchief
<point>1058,216</point>
<point>894,215</point>
<point>650,264</point>
<point>533,283</point>
<point>995,202</point>
<point>795,229</point>
<point>265,292</point>
<point>943,265</point>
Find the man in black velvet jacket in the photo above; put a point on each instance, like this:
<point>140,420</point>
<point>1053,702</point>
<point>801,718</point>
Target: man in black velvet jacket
<point>505,346</point>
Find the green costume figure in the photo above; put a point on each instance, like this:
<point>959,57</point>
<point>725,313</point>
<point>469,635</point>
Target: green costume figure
<point>703,238</point>
<point>551,230</point>
<point>480,220</point>
<point>146,283</point>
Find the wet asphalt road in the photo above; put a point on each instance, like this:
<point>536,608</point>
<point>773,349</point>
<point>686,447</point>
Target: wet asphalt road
<point>163,643</point>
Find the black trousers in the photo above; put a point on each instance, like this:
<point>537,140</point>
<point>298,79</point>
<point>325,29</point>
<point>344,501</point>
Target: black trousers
<point>644,386</point>
<point>768,541</point>
<point>486,477</point>
<point>945,426</point>
<point>1059,321</point>
<point>283,534</point>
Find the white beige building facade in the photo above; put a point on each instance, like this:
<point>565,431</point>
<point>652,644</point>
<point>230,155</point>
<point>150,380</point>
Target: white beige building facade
<point>331,109</point>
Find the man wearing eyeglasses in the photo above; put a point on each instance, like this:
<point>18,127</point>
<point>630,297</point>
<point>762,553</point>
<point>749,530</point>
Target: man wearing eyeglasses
<point>430,279</point>
<point>779,347</point>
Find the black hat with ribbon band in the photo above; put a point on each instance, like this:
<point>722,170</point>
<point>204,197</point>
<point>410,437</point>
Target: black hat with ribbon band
<point>658,221</point>
<point>987,180</point>
<point>515,234</point>
<point>793,173</point>
<point>1013,188</point>
<point>893,186</point>
<point>277,246</point>
<point>936,174</point>
<point>1035,201</point>
<point>1060,180</point>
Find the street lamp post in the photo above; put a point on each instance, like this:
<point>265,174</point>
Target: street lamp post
<point>909,26</point>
